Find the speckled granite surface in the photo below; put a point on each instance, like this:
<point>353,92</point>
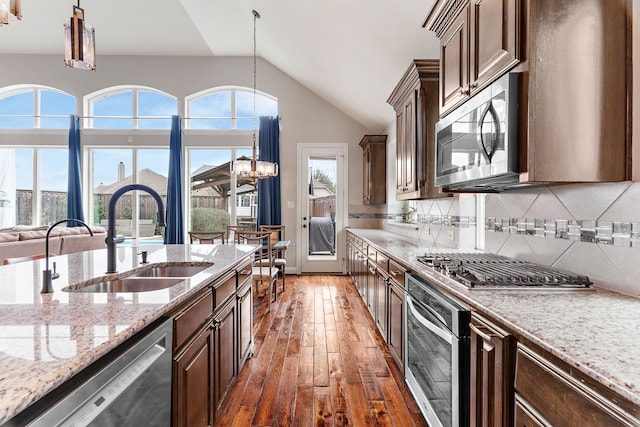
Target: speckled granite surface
<point>46,339</point>
<point>594,331</point>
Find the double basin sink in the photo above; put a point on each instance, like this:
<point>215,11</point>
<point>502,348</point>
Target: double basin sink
<point>149,278</point>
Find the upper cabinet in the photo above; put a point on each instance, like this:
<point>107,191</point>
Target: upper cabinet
<point>374,169</point>
<point>480,43</point>
<point>415,100</point>
<point>575,93</point>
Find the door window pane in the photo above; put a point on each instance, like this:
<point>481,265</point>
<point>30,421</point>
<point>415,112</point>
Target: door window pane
<point>153,170</point>
<point>322,205</point>
<point>111,169</point>
<point>53,185</point>
<point>210,189</point>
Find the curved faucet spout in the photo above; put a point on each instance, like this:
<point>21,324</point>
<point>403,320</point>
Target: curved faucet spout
<point>111,239</point>
<point>47,275</point>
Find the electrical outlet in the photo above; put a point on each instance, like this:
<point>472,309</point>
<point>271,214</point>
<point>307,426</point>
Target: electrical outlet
<point>451,235</point>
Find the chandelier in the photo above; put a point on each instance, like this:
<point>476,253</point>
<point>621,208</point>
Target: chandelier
<point>254,169</point>
<point>79,42</point>
<point>9,11</point>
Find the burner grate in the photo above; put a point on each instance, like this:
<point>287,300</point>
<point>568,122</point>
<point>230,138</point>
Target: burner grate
<point>490,270</point>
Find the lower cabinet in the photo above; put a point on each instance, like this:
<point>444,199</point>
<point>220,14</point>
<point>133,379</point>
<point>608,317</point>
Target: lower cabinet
<point>492,371</point>
<point>244,318</point>
<point>193,376</point>
<point>223,351</point>
<point>552,393</point>
<point>213,336</point>
<point>396,317</point>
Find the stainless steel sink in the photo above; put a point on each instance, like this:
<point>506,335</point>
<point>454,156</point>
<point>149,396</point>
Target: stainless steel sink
<point>171,270</point>
<point>130,284</point>
<point>152,277</point>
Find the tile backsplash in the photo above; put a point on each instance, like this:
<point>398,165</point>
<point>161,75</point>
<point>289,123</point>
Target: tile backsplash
<point>591,229</point>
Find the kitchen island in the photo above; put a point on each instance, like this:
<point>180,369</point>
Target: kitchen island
<point>590,333</point>
<point>46,339</point>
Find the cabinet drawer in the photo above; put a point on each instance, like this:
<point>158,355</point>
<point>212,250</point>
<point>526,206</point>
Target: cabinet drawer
<point>244,273</point>
<point>191,318</point>
<point>560,398</point>
<point>382,261</point>
<point>223,288</point>
<point>397,272</point>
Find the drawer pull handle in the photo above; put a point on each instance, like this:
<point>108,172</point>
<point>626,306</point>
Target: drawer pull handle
<point>245,272</point>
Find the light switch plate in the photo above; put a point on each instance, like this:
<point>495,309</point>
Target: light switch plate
<point>451,235</point>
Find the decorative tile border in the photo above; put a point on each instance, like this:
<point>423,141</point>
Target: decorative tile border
<point>615,233</point>
<point>590,231</point>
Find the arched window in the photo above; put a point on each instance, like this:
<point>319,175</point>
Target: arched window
<point>34,106</point>
<point>129,107</point>
<point>228,108</point>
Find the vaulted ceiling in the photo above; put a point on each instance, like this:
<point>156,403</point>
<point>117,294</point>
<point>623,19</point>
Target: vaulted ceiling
<point>350,52</point>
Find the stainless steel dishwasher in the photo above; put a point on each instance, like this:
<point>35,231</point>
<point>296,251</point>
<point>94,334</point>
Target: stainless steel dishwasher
<point>133,388</point>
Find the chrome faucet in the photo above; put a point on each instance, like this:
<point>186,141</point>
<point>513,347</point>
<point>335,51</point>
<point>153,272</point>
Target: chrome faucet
<point>47,275</point>
<point>111,239</point>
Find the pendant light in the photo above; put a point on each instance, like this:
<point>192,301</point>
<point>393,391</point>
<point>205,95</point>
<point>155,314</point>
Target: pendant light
<point>254,169</point>
<point>79,42</point>
<point>9,11</point>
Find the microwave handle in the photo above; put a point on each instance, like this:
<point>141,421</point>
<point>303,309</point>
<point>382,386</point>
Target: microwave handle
<point>495,136</point>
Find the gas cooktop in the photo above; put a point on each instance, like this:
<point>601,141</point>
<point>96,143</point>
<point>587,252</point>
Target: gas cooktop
<point>478,270</point>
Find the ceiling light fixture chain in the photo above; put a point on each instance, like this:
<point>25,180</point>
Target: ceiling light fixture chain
<point>254,169</point>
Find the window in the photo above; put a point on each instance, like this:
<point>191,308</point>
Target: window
<point>136,211</point>
<point>126,107</point>
<point>228,108</point>
<point>27,107</point>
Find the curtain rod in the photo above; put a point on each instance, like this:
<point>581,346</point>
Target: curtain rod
<point>53,116</point>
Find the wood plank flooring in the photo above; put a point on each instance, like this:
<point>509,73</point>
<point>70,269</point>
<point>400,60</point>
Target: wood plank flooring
<point>321,362</point>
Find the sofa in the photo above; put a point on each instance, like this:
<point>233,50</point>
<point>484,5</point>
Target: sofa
<point>25,240</point>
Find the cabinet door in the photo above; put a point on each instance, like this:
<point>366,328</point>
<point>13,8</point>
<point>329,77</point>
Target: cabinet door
<point>245,323</point>
<point>396,324</point>
<point>366,175</point>
<point>193,381</point>
<point>525,418</point>
<point>492,367</point>
<point>371,292</point>
<point>406,146</point>
<point>223,351</point>
<point>381,302</point>
<point>494,40</point>
<point>454,62</point>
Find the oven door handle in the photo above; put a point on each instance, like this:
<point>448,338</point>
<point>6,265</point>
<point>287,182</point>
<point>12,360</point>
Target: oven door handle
<point>442,333</point>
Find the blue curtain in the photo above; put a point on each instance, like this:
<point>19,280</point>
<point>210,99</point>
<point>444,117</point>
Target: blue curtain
<point>269,199</point>
<point>74,188</point>
<point>174,230</point>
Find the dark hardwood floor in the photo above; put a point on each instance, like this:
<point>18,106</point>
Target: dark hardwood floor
<point>318,361</point>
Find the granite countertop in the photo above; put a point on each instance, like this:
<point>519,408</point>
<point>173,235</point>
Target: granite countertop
<point>594,331</point>
<point>45,339</point>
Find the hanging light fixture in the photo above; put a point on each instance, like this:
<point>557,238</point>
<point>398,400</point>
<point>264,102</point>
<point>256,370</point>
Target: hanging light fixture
<point>79,42</point>
<point>254,169</point>
<point>9,11</point>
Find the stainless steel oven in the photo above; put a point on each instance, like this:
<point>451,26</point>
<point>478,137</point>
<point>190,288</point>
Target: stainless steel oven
<point>477,143</point>
<point>128,387</point>
<point>437,354</point>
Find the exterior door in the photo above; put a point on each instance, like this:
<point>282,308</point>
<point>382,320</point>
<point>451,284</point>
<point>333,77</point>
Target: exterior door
<point>322,210</point>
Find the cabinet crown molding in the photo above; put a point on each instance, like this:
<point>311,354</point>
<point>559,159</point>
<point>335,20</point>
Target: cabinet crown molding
<point>420,69</point>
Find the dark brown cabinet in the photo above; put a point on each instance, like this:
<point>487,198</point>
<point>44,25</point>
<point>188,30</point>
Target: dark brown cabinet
<point>223,351</point>
<point>244,309</point>
<point>395,341</point>
<point>374,169</point>
<point>193,375</point>
<point>481,42</point>
<point>213,336</point>
<point>574,96</point>
<point>492,372</point>
<point>551,393</point>
<point>415,101</point>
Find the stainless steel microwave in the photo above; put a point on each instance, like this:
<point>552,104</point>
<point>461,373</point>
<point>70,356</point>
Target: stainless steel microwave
<point>477,143</point>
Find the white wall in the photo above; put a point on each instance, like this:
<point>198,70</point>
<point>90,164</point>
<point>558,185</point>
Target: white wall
<point>305,116</point>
